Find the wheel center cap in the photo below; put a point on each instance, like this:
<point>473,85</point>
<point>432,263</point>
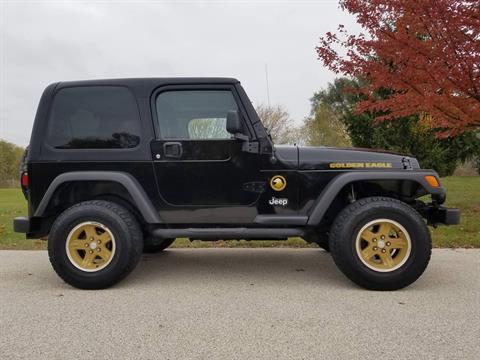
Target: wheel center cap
<point>93,245</point>
<point>381,244</point>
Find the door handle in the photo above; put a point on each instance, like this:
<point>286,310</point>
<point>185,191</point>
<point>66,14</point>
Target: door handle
<point>172,149</point>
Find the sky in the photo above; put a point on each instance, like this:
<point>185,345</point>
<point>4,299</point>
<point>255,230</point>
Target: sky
<point>49,41</point>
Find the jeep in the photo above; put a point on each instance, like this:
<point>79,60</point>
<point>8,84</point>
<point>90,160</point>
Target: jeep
<point>120,167</point>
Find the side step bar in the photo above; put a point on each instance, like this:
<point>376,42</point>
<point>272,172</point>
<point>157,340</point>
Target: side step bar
<point>281,220</point>
<point>228,233</point>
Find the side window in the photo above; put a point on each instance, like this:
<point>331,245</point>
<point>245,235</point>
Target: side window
<point>94,117</point>
<point>195,114</point>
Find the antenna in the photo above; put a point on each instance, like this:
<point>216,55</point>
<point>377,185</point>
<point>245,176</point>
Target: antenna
<point>266,80</point>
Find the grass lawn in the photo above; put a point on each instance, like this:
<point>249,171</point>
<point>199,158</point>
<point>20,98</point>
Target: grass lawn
<point>462,192</point>
<point>12,204</point>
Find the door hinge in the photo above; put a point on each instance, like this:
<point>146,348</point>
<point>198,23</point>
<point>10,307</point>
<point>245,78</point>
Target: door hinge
<point>250,147</point>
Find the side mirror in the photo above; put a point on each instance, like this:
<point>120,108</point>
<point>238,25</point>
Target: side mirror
<point>234,125</point>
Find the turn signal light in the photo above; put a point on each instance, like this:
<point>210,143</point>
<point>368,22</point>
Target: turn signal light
<point>432,181</point>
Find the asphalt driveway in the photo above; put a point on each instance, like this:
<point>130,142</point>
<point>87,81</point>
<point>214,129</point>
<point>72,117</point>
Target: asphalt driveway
<point>239,304</point>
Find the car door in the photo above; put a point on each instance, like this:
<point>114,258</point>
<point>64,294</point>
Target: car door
<point>201,171</point>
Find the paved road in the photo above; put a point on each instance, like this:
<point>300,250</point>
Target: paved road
<point>239,304</point>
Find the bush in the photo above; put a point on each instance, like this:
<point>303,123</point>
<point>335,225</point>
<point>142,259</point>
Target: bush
<point>10,157</point>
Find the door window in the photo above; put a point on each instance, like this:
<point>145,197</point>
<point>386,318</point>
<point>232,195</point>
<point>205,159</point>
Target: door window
<point>194,115</point>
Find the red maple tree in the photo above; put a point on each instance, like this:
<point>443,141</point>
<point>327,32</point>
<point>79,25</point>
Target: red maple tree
<point>426,51</point>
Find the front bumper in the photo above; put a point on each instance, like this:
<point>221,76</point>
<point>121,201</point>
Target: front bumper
<point>21,225</point>
<point>443,215</point>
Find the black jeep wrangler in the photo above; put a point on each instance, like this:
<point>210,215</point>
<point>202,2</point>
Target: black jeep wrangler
<point>120,167</point>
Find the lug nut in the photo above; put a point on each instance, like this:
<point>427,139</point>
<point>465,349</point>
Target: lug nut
<point>383,250</point>
<point>91,251</point>
<point>99,242</point>
<point>91,239</point>
<point>374,240</point>
<point>86,244</point>
<point>382,237</point>
<point>98,249</point>
<point>388,243</point>
<point>375,248</point>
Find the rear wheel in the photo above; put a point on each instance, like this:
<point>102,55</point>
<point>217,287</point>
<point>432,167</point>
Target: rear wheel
<point>95,244</point>
<point>380,243</point>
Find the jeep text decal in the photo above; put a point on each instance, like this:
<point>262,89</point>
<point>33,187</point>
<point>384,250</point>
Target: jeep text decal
<point>278,201</point>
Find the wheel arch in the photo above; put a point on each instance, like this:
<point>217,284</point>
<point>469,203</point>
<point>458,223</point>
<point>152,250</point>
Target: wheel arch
<point>402,185</point>
<point>117,185</point>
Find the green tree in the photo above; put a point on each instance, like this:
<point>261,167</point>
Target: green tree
<point>410,135</point>
<point>10,157</point>
<point>324,127</point>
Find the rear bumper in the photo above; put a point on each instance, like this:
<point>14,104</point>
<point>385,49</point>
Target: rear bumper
<point>21,225</point>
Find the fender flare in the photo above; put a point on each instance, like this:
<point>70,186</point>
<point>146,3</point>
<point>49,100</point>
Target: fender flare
<point>133,187</point>
<point>328,194</point>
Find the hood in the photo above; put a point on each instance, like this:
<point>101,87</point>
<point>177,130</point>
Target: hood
<point>326,158</point>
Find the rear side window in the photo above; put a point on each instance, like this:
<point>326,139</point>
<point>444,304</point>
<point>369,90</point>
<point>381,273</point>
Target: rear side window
<point>94,117</point>
<point>194,114</point>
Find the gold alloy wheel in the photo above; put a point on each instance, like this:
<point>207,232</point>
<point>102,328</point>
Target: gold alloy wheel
<point>90,246</point>
<point>383,245</point>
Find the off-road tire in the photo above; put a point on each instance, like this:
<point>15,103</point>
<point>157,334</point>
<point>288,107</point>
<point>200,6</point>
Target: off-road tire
<point>128,242</point>
<point>350,221</point>
<point>152,248</point>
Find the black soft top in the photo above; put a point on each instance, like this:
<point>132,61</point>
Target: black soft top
<point>144,86</point>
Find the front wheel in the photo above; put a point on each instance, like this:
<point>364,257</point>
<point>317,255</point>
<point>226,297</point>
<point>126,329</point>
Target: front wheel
<point>380,243</point>
<point>95,244</point>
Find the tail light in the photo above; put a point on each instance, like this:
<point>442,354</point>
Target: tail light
<point>24,180</point>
